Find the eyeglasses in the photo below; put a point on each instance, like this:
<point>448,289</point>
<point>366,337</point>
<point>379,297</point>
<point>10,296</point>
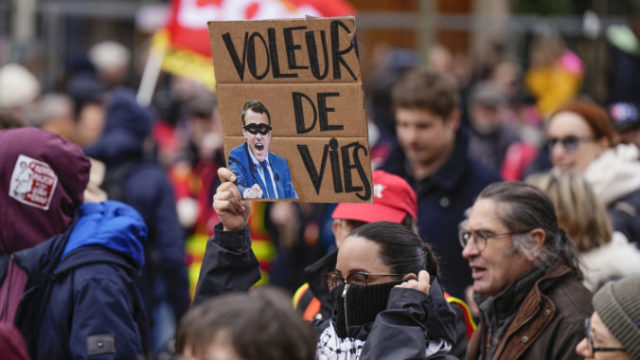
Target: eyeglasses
<point>254,129</point>
<point>335,278</point>
<point>479,237</point>
<point>592,347</point>
<point>569,143</point>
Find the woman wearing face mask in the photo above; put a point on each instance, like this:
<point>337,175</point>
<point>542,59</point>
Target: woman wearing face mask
<point>581,138</point>
<point>388,307</point>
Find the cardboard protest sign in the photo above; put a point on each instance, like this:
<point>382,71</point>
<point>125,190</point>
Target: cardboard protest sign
<point>292,108</point>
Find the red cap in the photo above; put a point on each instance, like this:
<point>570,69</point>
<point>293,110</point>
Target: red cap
<point>393,200</point>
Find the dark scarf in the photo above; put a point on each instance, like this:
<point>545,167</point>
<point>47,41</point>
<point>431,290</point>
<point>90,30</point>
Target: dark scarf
<point>359,305</point>
<point>499,311</point>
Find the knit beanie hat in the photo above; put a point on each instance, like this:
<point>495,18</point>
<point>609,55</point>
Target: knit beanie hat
<point>618,304</point>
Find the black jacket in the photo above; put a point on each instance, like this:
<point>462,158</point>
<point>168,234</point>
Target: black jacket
<point>315,275</point>
<point>414,326</point>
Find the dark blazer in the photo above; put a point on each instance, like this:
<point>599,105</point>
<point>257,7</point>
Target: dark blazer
<point>241,165</point>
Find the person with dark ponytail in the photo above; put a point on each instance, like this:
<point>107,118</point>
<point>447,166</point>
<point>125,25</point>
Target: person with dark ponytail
<point>526,276</point>
<point>376,263</point>
<point>388,305</point>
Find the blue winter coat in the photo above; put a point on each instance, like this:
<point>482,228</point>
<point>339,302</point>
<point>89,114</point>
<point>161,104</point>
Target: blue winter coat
<point>81,300</point>
<point>443,199</point>
<point>241,165</point>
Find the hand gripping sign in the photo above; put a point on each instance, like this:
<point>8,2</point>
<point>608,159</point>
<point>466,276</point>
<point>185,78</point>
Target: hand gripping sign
<point>292,108</point>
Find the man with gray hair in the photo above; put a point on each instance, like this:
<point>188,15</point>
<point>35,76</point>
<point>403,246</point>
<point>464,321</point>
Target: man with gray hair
<point>526,277</point>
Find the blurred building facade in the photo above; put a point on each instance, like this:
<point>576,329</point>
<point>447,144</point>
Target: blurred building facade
<point>46,35</point>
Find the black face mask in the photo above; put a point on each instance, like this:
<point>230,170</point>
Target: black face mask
<point>359,305</point>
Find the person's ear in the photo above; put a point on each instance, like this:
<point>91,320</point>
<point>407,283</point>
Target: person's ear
<point>454,119</point>
<point>335,226</point>
<point>604,144</point>
<point>338,234</point>
<point>539,237</point>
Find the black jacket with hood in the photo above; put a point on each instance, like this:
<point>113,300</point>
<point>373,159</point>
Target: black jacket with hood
<point>414,325</point>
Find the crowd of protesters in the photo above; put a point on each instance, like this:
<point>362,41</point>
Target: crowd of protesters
<point>505,199</point>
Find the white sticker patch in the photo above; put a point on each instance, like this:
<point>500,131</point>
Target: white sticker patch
<point>33,182</point>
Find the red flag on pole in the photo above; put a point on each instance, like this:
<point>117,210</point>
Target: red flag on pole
<point>185,40</point>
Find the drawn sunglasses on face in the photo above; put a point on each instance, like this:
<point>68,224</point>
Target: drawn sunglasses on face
<point>254,129</point>
<point>569,143</point>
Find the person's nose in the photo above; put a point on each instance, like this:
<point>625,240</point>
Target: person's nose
<point>558,151</point>
<point>411,134</point>
<point>583,350</point>
<point>406,133</point>
<point>470,250</point>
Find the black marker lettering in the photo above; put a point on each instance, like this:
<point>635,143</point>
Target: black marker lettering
<point>251,56</point>
<point>291,47</point>
<point>316,178</point>
<point>335,165</point>
<point>347,168</point>
<point>323,110</point>
<point>336,53</point>
<point>313,54</point>
<point>298,112</point>
<point>273,53</point>
<point>231,49</point>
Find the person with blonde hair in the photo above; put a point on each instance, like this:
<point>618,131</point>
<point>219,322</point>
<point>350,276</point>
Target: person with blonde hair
<point>605,254</point>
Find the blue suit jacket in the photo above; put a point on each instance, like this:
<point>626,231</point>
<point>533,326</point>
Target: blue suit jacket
<point>241,165</point>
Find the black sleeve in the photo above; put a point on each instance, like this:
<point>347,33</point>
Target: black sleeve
<point>229,265</point>
<point>403,330</point>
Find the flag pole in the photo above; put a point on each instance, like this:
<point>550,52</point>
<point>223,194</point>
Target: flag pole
<point>150,76</point>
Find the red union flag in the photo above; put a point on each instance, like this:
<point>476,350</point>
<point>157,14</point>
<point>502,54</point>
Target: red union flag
<point>184,42</point>
<point>187,24</point>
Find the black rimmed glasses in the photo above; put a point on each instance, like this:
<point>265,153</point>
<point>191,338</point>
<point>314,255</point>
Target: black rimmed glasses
<point>479,237</point>
<point>569,143</point>
<point>592,347</point>
<point>254,129</point>
<point>335,278</point>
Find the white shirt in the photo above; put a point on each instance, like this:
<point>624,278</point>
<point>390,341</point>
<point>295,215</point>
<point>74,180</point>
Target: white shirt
<point>258,166</point>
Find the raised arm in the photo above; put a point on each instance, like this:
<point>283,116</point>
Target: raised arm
<point>229,263</point>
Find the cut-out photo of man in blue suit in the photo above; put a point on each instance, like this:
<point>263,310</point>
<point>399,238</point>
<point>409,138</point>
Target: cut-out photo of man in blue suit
<point>261,174</point>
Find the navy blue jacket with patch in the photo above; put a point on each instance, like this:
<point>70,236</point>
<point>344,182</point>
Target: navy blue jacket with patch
<point>81,301</point>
